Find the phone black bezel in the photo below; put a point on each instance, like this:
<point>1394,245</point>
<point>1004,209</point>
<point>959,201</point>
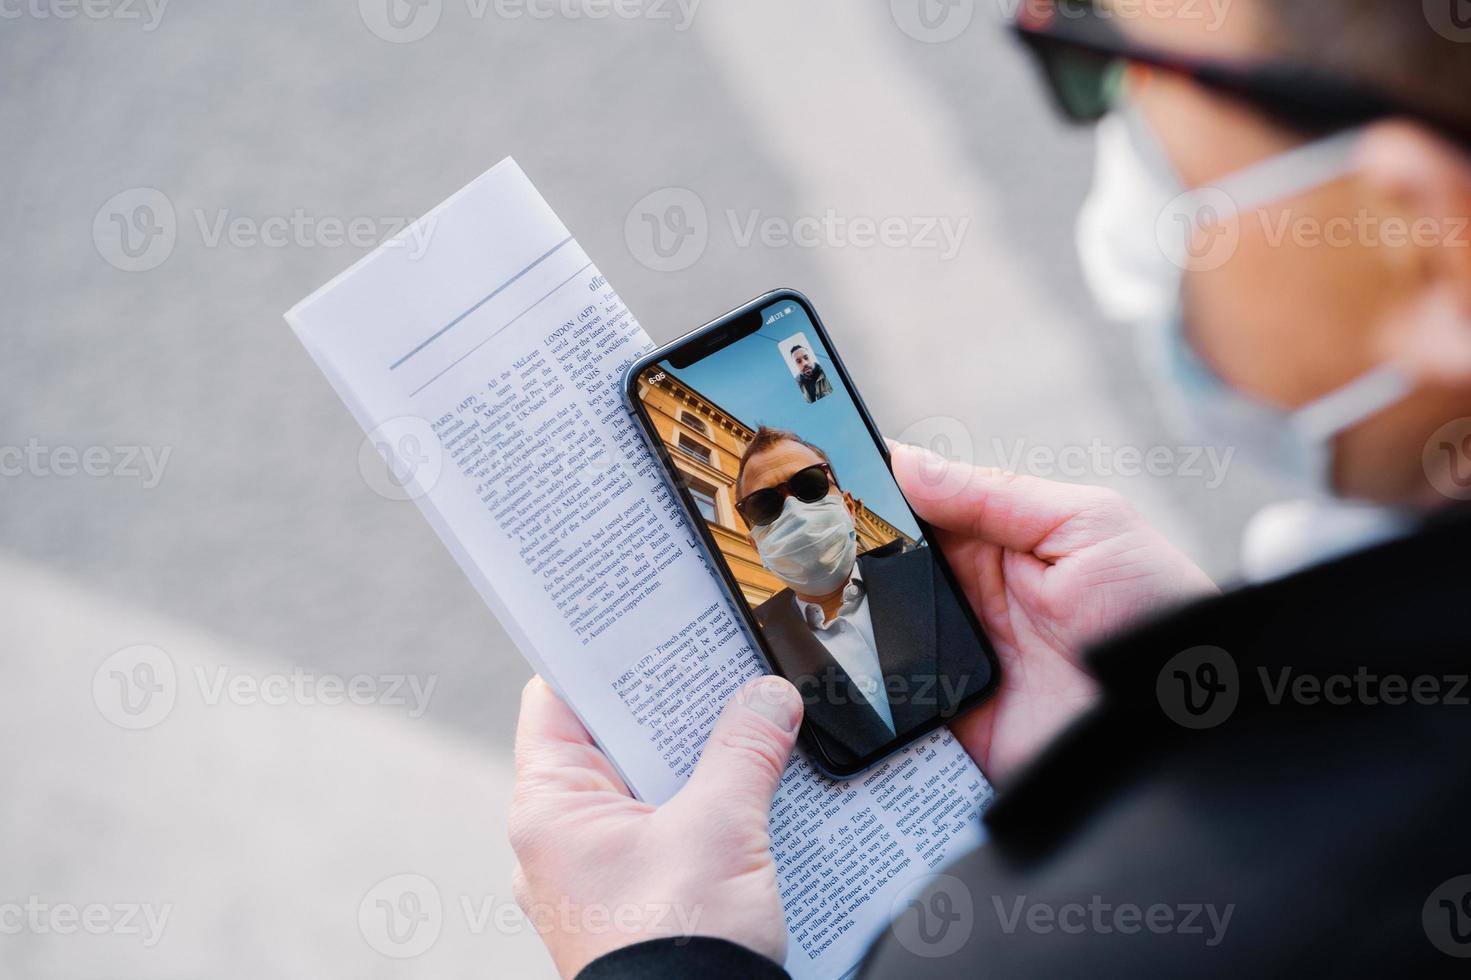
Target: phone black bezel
<point>712,337</point>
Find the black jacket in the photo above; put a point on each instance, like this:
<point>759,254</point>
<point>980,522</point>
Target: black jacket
<point>815,388</point>
<point>1326,807</point>
<point>929,653</point>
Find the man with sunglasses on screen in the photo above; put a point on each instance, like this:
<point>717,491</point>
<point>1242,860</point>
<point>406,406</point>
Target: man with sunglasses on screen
<point>1266,783</point>
<point>874,647</point>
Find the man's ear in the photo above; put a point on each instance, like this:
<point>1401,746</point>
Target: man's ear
<point>1424,178</point>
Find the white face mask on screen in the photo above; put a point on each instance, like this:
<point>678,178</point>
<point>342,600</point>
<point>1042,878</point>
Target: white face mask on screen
<point>811,547</point>
<point>1134,278</point>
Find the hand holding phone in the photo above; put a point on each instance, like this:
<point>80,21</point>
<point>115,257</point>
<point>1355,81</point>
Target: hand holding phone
<point>1050,568</point>
<point>787,479</point>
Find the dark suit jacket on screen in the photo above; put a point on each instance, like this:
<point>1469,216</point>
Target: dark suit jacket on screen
<point>930,656</point>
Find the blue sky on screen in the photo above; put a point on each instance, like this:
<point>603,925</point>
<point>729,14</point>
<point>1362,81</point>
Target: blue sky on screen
<point>750,380</point>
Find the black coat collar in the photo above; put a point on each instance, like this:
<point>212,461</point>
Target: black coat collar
<point>1400,606</point>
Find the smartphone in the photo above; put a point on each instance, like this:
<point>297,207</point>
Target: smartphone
<point>780,468</point>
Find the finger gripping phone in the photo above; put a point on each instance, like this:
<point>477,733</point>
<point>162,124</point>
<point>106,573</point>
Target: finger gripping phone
<point>780,469</point>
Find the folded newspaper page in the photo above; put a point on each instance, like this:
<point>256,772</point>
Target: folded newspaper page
<point>483,352</point>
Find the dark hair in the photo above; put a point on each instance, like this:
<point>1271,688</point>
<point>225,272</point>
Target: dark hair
<point>767,437</point>
<point>795,349</point>
<point>1388,44</point>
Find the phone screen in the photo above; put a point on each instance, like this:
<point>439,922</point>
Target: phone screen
<point>849,598</point>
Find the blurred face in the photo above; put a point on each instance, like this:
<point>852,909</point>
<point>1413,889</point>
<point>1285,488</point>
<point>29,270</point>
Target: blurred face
<point>1316,293</point>
<point>804,360</point>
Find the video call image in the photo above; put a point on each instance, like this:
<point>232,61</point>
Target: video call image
<point>810,376</point>
<point>818,537</point>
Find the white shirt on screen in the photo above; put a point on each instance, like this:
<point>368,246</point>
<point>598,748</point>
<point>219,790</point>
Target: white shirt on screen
<point>848,637</point>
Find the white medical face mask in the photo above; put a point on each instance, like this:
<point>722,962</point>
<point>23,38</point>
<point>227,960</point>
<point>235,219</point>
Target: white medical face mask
<point>811,547</point>
<point>1133,251</point>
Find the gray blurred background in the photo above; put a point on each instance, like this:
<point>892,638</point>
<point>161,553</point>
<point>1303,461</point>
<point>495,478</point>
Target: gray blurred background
<point>263,829</point>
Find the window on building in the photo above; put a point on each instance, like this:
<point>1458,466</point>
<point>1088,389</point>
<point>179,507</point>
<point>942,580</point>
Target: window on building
<point>694,422</point>
<point>704,495</point>
<point>690,447</point>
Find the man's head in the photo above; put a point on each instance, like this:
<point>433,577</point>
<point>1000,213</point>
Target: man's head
<point>812,544</point>
<point>773,456</point>
<point>1371,268</point>
<point>804,360</point>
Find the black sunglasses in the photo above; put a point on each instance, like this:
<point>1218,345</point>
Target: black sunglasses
<point>1084,58</point>
<point>761,507</point>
